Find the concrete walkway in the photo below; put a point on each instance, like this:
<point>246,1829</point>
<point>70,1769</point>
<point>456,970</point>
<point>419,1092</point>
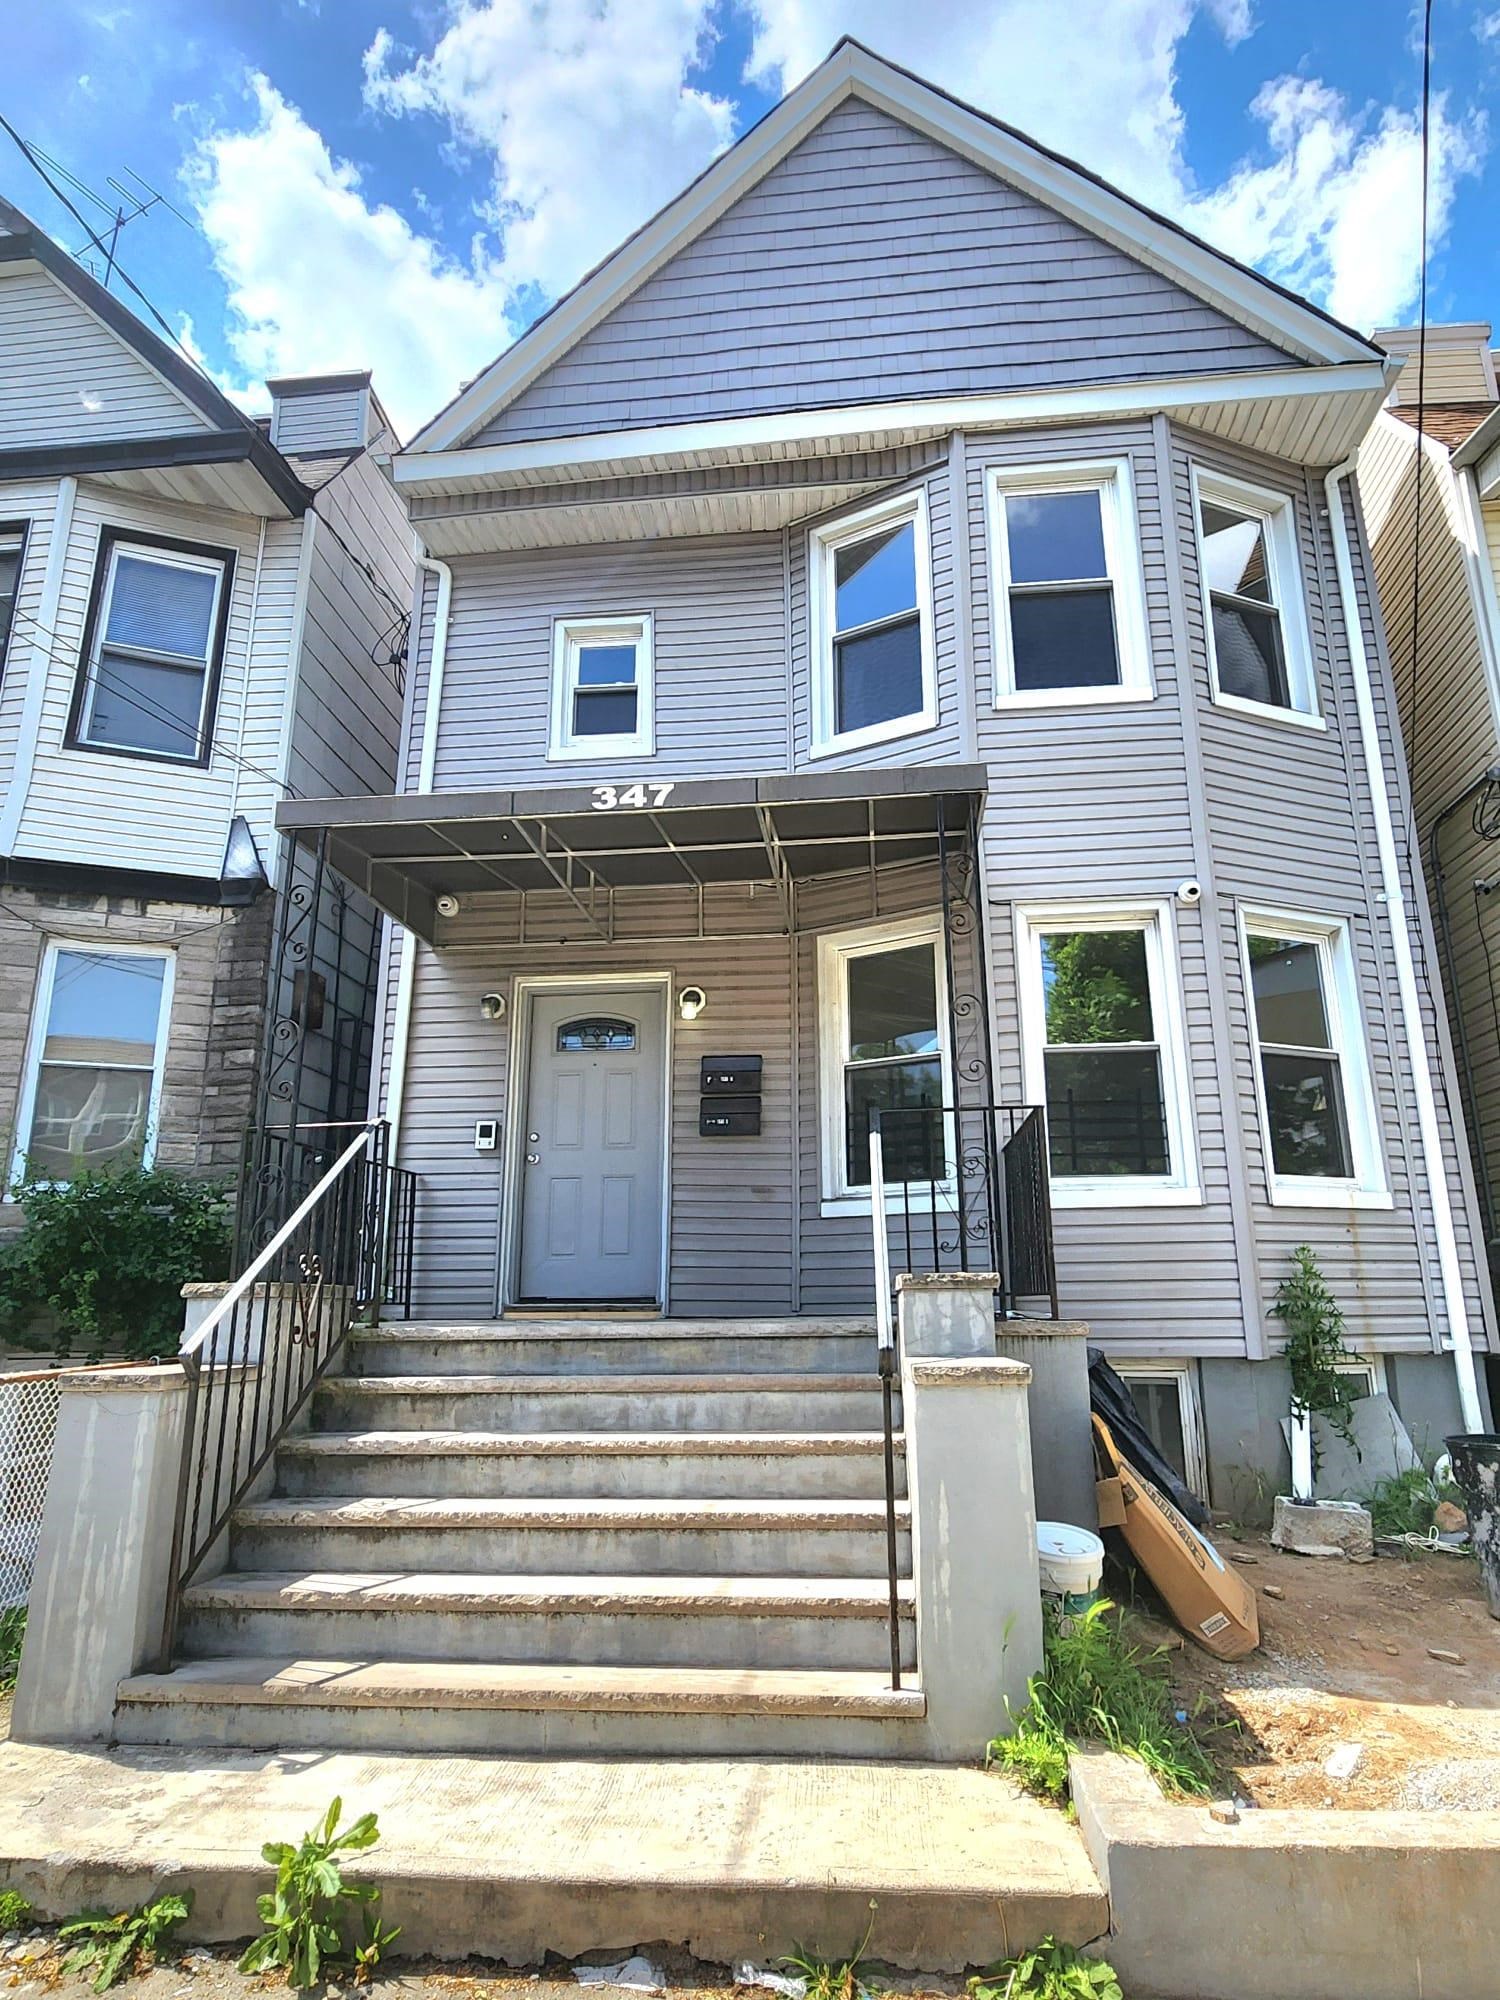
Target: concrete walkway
<point>509,1858</point>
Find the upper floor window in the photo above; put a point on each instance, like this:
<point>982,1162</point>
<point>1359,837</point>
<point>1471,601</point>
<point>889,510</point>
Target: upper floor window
<point>155,648</point>
<point>871,592</point>
<point>1069,612</point>
<point>602,688</point>
<point>92,1082</point>
<point>12,555</point>
<point>1258,649</point>
<point>1106,1052</point>
<point>1317,1107</point>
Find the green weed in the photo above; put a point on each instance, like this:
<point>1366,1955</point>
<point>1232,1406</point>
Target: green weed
<point>12,1632</point>
<point>109,1947</point>
<point>1052,1971</point>
<point>301,1914</point>
<point>827,1981</point>
<point>15,1911</point>
<point>1097,1686</point>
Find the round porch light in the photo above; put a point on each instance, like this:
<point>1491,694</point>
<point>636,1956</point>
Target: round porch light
<point>691,1002</point>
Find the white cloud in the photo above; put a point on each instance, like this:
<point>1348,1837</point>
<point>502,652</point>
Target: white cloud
<point>318,277</point>
<point>585,108</point>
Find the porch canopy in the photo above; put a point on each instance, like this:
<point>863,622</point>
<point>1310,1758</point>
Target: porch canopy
<point>585,842</point>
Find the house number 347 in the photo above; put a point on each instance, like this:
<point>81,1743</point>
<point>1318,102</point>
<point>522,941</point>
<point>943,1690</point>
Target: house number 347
<point>610,798</point>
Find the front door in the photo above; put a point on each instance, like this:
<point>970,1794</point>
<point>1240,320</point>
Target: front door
<point>591,1167</point>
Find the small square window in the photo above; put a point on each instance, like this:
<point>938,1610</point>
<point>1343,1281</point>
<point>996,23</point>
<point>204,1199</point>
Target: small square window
<point>872,667</point>
<point>602,688</point>
<point>156,642</point>
<point>1069,606</point>
<point>1258,648</point>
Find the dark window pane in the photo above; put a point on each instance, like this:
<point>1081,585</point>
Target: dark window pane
<point>1054,537</point>
<point>1288,985</point>
<point>878,678</point>
<point>606,666</point>
<point>1065,640</point>
<point>1248,653</point>
<point>10,563</point>
<point>893,1003</point>
<point>1096,986</point>
<point>875,578</point>
<point>1159,1406</point>
<point>1234,553</point>
<point>160,607</point>
<point>912,1148</point>
<point>1105,1113</point>
<point>600,713</point>
<point>1305,1107</point>
<point>595,1032</point>
<point>144,705</point>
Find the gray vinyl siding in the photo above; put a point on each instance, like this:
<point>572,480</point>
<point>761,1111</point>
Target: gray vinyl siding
<point>66,379</point>
<point>322,420</point>
<point>873,263</point>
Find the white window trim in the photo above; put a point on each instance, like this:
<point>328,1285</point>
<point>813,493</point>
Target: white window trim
<point>37,1036</point>
<point>1278,516</point>
<point>835,949</point>
<point>633,627</point>
<point>168,559</point>
<point>1368,1187</point>
<point>1371,1367</point>
<point>1155,919</point>
<point>1185,1375</point>
<point>1113,480</point>
<point>822,546</point>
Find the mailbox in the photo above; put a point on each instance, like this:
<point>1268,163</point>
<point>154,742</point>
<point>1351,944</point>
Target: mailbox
<point>729,1076</point>
<point>729,1117</point>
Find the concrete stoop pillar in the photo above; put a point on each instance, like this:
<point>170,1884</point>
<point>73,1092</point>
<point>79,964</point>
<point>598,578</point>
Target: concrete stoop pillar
<point>973,1515</point>
<point>99,1588</point>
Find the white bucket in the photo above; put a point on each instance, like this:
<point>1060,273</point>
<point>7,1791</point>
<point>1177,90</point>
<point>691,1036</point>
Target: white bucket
<point>1071,1561</point>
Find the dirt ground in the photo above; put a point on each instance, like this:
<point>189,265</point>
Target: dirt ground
<point>1344,1660</point>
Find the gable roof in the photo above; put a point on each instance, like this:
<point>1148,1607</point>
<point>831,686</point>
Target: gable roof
<point>1303,331</point>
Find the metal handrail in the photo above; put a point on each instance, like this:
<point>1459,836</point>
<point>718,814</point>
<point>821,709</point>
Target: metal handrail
<point>343,1252</point>
<point>885,1356</point>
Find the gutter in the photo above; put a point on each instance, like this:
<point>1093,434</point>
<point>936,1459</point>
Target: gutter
<point>406,977</point>
<point>1450,1275</point>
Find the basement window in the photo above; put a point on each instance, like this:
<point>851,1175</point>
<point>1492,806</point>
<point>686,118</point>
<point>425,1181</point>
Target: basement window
<point>602,688</point>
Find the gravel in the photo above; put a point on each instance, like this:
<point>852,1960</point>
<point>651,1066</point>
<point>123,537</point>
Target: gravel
<point>1463,1784</point>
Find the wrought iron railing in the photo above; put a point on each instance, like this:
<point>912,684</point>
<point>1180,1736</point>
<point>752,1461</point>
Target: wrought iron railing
<point>967,1189</point>
<point>885,1357</point>
<point>342,1255</point>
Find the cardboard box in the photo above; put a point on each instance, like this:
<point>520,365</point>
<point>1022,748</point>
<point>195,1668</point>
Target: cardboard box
<point>1213,1605</point>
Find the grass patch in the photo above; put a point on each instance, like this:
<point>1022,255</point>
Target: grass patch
<point>1097,1686</point>
<point>12,1632</point>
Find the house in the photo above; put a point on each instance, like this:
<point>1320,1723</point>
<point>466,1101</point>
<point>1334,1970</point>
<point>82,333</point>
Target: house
<point>897,639</point>
<point>197,613</point>
<point>1436,566</point>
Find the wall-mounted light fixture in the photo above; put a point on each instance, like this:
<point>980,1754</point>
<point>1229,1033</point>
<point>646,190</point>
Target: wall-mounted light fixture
<point>492,1006</point>
<point>691,1002</point>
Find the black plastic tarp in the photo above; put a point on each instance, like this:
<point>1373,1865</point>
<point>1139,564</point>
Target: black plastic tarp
<point>1110,1399</point>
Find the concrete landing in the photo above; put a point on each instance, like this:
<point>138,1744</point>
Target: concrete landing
<point>508,1858</point>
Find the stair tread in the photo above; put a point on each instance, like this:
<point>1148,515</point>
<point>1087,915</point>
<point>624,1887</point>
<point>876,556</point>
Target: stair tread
<point>398,1511</point>
<point>585,1329</point>
<point>378,1590</point>
<point>518,1444</point>
<point>598,1385</point>
<point>465,1684</point>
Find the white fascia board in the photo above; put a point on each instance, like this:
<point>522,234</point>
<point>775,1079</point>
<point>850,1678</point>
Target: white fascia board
<point>483,465</point>
<point>1251,300</point>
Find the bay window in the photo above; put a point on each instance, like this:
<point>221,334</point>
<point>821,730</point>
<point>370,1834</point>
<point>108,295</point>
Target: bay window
<point>1258,648</point>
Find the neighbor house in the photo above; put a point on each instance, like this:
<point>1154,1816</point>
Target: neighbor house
<point>199,614</point>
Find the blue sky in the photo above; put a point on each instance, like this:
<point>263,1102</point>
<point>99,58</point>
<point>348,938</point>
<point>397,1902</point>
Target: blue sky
<point>370,182</point>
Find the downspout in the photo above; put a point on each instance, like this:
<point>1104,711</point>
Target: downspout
<point>406,977</point>
<point>1450,1276</point>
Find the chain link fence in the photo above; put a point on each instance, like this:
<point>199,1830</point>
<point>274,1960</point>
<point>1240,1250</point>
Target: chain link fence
<point>28,1426</point>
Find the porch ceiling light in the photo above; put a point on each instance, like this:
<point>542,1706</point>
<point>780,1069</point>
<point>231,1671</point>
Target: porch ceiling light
<point>691,1002</point>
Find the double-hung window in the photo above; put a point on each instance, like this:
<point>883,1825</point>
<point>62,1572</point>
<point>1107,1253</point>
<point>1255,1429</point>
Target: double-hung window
<point>155,647</point>
<point>881,1010</point>
<point>93,1075</point>
<point>873,675</point>
<point>1069,606</point>
<point>1258,647</point>
<point>12,555</point>
<point>1105,1053</point>
<point>1316,1101</point>
<point>602,688</point>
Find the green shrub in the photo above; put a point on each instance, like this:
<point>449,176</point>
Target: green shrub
<point>15,1911</point>
<point>1315,1349</point>
<point>109,1947</point>
<point>104,1258</point>
<point>1051,1971</point>
<point>1095,1685</point>
<point>12,1632</point>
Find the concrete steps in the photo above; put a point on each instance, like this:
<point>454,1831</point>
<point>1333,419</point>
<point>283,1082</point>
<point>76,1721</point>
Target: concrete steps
<point>596,1536</point>
<point>579,1537</point>
<point>452,1706</point>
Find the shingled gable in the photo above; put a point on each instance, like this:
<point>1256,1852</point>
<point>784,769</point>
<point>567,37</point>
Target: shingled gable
<point>872,239</point>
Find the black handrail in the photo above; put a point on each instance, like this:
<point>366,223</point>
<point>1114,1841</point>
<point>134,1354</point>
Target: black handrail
<point>885,1361</point>
<point>344,1254</point>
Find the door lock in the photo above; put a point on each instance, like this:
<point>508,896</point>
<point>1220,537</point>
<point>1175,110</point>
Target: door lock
<point>532,1159</point>
<point>533,1137</point>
